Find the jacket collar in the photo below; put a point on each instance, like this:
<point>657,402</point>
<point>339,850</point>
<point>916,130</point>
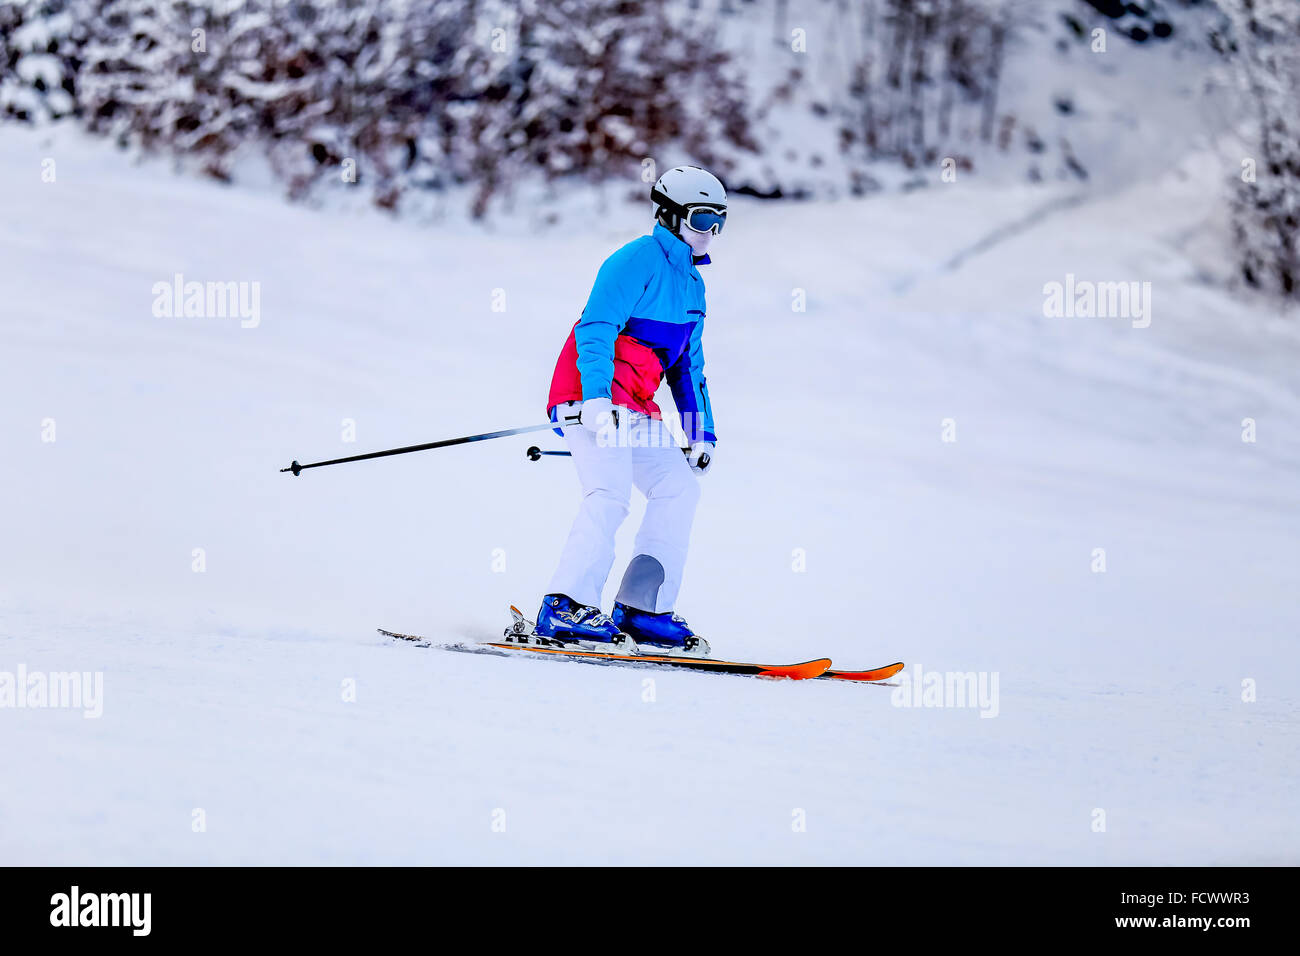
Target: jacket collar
<point>676,251</point>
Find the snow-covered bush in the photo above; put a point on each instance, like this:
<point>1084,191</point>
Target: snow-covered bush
<point>313,83</point>
<point>37,59</point>
<point>1138,22</point>
<point>393,94</point>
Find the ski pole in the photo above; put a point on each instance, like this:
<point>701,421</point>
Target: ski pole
<point>535,454</point>
<point>297,468</point>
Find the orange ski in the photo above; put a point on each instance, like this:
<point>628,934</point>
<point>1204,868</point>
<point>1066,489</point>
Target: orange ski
<point>880,673</point>
<point>806,670</point>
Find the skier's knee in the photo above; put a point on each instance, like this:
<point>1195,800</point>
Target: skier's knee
<point>689,492</point>
<point>611,502</point>
<point>683,488</point>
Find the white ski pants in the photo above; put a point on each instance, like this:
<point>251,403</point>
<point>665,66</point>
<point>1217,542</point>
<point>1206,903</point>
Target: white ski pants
<point>644,455</point>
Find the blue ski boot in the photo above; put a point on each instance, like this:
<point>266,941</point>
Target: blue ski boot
<point>565,621</point>
<point>664,633</point>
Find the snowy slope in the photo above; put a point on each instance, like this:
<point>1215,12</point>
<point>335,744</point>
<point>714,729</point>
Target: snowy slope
<point>223,689</point>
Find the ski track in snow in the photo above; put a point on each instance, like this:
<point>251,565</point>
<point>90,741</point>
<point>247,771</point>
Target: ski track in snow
<point>223,690</point>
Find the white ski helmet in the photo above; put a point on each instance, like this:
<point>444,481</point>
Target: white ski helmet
<point>683,188</point>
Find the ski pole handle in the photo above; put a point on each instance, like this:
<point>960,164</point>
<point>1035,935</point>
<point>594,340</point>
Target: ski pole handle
<point>535,454</point>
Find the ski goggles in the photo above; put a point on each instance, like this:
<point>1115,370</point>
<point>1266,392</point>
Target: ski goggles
<point>706,218</point>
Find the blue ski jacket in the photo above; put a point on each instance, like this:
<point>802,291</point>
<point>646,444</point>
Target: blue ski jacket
<point>642,324</point>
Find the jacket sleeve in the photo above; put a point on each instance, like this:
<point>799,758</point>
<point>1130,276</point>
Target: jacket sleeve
<point>691,391</point>
<point>619,285</point>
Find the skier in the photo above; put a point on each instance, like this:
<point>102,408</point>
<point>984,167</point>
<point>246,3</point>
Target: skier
<point>642,323</point>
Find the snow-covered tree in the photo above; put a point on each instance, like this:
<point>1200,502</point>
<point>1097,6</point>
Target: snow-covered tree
<point>925,79</point>
<point>569,86</point>
<point>1263,46</point>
